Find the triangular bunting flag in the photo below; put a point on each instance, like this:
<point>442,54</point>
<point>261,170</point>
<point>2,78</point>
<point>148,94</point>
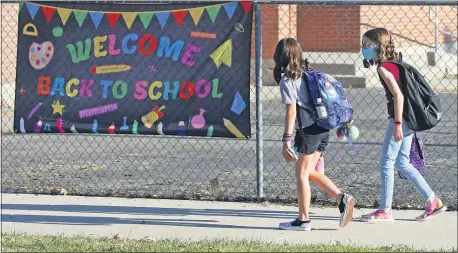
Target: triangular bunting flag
<point>146,18</point>
<point>33,9</point>
<point>162,17</point>
<point>96,18</point>
<point>179,16</point>
<point>48,11</point>
<point>213,12</point>
<point>112,18</point>
<point>196,13</point>
<point>129,18</point>
<point>246,6</point>
<point>230,9</point>
<point>80,16</point>
<point>64,14</point>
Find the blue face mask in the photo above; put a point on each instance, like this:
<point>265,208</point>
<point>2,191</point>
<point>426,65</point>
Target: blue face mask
<point>369,53</point>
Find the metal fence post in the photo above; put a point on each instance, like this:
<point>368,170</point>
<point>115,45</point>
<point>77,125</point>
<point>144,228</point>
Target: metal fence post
<point>259,123</point>
<point>436,30</point>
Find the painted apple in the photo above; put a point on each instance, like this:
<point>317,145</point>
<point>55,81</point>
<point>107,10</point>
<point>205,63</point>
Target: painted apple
<point>58,31</point>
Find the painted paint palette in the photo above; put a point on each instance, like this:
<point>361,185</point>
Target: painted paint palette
<point>40,54</point>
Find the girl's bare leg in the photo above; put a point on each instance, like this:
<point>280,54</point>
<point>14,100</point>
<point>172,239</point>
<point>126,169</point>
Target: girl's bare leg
<point>324,183</point>
<point>304,167</point>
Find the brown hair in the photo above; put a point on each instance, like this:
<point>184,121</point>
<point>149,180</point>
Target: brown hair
<point>288,59</point>
<point>385,49</point>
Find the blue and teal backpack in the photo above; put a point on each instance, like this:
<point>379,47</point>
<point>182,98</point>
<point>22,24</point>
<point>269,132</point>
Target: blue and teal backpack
<point>331,92</point>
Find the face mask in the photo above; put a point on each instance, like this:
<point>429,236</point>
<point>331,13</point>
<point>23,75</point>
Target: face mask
<point>369,53</point>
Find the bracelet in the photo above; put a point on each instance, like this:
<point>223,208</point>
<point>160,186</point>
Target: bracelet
<point>287,138</point>
<point>287,135</point>
<point>398,122</point>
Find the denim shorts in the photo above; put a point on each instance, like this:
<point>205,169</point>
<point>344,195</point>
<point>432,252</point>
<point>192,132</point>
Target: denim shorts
<point>314,139</point>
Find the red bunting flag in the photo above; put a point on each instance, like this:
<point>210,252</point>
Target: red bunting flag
<point>179,16</point>
<point>246,5</point>
<point>112,18</point>
<point>48,11</point>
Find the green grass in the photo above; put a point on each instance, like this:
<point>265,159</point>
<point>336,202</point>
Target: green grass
<point>30,243</point>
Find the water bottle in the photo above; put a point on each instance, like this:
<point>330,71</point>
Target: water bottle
<point>321,109</point>
<point>320,165</point>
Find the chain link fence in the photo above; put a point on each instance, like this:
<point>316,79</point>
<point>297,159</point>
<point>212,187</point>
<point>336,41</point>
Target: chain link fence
<point>225,169</point>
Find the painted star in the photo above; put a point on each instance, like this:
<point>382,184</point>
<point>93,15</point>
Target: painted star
<point>57,107</point>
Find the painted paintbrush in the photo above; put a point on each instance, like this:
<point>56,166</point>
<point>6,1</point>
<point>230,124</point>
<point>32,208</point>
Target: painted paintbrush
<point>34,110</point>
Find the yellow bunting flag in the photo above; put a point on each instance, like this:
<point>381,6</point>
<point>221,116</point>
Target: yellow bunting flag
<point>196,13</point>
<point>129,18</point>
<point>64,14</point>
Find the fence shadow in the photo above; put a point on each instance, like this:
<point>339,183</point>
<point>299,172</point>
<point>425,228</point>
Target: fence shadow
<point>100,220</point>
<point>162,211</point>
<point>82,219</point>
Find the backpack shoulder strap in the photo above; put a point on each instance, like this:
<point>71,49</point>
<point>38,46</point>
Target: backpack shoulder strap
<point>311,76</point>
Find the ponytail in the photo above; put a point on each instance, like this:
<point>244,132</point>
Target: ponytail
<point>387,52</point>
<point>306,65</point>
<point>398,56</point>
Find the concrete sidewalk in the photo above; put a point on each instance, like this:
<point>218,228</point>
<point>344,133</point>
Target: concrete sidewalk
<point>196,220</point>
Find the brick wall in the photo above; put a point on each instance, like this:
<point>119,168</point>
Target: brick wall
<point>270,26</point>
<point>318,28</point>
<point>412,22</point>
<point>287,20</point>
<point>278,21</point>
<point>339,28</point>
<point>328,28</point>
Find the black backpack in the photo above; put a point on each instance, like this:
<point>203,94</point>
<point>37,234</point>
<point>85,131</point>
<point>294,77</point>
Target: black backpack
<point>422,108</point>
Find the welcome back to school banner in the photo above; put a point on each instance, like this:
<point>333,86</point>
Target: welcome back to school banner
<point>175,69</point>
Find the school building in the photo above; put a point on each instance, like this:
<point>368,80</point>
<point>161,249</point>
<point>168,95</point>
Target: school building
<point>334,31</point>
<point>338,28</point>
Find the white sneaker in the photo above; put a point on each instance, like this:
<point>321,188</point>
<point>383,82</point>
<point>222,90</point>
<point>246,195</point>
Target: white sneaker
<point>296,225</point>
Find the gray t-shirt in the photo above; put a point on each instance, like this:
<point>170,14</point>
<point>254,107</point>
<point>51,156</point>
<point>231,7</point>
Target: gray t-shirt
<point>296,92</point>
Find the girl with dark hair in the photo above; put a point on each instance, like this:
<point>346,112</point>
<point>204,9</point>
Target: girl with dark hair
<point>310,143</point>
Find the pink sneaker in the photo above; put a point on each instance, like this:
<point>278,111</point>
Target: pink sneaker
<point>434,207</point>
<point>377,216</point>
